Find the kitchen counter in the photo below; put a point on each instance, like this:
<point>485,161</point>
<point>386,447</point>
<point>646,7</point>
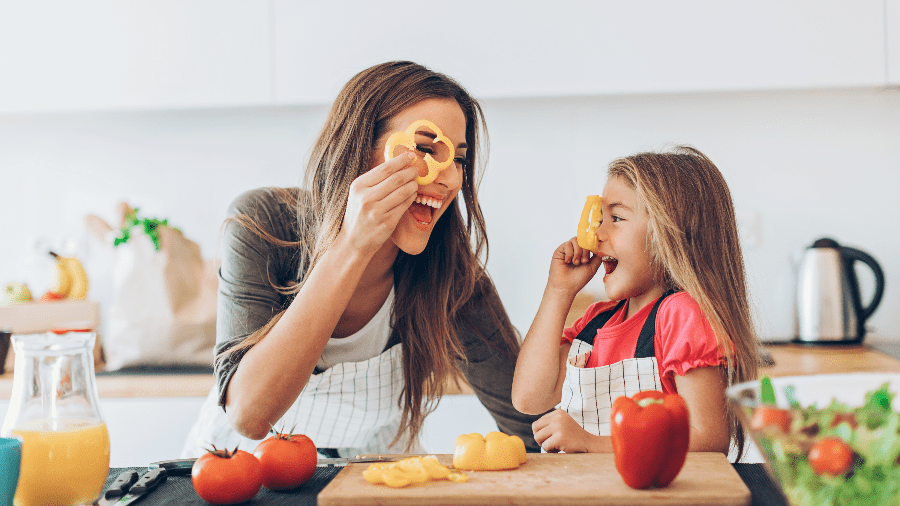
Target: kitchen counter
<point>790,360</point>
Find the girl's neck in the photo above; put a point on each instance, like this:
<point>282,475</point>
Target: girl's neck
<point>638,302</point>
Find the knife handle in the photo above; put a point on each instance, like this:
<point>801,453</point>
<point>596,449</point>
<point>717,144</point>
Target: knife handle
<point>175,467</point>
<point>149,480</point>
<point>121,485</point>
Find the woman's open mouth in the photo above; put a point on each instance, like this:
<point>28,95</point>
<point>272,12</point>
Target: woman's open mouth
<point>422,210</point>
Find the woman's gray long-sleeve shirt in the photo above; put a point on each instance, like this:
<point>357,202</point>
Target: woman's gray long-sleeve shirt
<point>247,301</point>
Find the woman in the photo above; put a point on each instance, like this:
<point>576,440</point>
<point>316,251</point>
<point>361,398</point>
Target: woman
<point>346,307</point>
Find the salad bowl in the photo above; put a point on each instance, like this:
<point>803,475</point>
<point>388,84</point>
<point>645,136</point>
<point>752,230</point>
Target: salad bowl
<point>826,439</point>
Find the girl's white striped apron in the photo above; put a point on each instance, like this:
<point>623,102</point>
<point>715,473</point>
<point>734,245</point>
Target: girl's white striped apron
<point>353,405</point>
<point>588,393</point>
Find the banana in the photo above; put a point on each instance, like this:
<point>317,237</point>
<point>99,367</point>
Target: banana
<point>79,279</point>
<point>69,280</point>
<point>61,281</point>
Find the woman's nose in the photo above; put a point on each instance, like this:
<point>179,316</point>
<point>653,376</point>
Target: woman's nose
<point>451,177</point>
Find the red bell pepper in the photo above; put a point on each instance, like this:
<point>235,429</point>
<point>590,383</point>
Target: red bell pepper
<point>650,436</point>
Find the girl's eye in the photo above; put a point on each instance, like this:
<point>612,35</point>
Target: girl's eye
<point>461,162</point>
<point>428,150</point>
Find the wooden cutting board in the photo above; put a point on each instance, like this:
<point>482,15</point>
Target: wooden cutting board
<point>550,479</point>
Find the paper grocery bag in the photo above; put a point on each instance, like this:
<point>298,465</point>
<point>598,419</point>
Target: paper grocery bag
<point>163,309</point>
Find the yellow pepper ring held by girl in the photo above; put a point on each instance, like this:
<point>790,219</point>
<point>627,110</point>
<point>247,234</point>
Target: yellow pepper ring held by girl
<point>590,221</point>
<point>407,139</point>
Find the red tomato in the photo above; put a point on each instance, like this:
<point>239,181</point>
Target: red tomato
<point>767,417</point>
<point>223,477</point>
<point>831,456</point>
<point>288,460</point>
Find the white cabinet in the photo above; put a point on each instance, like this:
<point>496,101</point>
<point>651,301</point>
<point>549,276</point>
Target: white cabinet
<point>892,45</point>
<point>583,47</point>
<point>60,55</point>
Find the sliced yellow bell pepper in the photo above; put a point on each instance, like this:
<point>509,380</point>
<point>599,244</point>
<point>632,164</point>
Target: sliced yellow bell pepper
<point>590,221</point>
<point>410,470</point>
<point>493,452</point>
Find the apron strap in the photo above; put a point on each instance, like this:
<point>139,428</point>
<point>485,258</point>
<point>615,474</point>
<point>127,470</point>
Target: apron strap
<point>589,332</point>
<point>645,347</point>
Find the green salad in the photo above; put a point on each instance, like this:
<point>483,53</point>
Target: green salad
<point>837,455</point>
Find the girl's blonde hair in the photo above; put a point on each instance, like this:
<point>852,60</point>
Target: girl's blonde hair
<point>694,247</point>
<point>433,288</point>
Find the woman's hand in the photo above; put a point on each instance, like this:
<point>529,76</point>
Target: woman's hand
<point>572,267</point>
<point>377,201</point>
<point>557,431</point>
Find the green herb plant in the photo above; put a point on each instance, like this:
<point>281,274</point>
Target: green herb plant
<point>150,227</point>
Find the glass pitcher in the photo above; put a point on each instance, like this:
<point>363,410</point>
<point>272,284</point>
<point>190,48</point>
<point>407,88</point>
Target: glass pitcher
<point>54,408</point>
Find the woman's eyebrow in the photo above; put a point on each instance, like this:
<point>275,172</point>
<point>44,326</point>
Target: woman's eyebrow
<point>433,136</point>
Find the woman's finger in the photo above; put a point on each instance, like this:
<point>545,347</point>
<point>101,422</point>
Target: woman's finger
<point>381,172</point>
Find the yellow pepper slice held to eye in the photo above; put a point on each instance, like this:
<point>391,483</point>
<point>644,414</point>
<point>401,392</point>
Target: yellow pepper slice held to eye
<point>407,139</point>
<point>493,452</point>
<point>590,221</point>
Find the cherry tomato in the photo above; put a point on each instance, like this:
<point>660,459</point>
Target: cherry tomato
<point>288,460</point>
<point>768,417</point>
<point>223,477</point>
<point>831,456</point>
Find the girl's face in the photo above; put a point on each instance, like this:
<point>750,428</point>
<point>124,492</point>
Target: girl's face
<point>624,247</point>
<point>414,228</point>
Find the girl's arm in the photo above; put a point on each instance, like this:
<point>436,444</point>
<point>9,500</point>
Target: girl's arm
<point>703,389</point>
<point>273,372</point>
<point>540,368</point>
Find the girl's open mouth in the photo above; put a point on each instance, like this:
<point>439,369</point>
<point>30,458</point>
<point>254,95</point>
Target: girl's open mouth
<point>609,264</point>
<point>424,207</point>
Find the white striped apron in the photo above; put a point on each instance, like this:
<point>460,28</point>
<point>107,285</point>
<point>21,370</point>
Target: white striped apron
<point>588,393</point>
<point>353,406</point>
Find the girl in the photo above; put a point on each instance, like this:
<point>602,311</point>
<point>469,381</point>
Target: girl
<point>346,307</point>
<point>679,320</point>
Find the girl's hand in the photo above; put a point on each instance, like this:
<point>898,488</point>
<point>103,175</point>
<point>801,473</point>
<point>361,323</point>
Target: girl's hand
<point>557,431</point>
<point>377,201</point>
<point>572,267</point>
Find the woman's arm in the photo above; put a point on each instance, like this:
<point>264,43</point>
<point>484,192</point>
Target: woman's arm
<point>490,365</point>
<point>273,372</point>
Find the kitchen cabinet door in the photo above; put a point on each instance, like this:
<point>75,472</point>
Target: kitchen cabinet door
<point>128,54</point>
<point>583,47</point>
<point>892,45</point>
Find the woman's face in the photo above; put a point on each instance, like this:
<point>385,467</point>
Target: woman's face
<point>414,228</point>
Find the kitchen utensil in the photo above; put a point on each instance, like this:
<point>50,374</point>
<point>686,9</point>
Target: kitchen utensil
<point>550,478</point>
<point>829,305</point>
<point>54,408</point>
<point>183,466</point>
<point>790,418</point>
<point>125,490</point>
<point>10,461</point>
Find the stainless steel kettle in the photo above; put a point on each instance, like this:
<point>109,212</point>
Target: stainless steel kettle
<point>829,305</point>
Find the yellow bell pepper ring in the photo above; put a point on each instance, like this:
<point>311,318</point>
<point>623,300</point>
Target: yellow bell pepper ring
<point>493,452</point>
<point>407,139</point>
<point>590,222</point>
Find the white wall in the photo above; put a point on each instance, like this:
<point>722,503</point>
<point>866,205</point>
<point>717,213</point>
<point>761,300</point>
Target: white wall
<point>801,165</point>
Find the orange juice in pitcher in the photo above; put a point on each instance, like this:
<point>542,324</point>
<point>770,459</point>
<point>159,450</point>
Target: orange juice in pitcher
<point>54,408</point>
<point>63,462</point>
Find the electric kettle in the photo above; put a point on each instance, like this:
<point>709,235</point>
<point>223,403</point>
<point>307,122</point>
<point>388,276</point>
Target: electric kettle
<point>829,305</point>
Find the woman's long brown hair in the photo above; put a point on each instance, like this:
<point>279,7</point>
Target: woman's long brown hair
<point>431,288</point>
<point>694,245</point>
